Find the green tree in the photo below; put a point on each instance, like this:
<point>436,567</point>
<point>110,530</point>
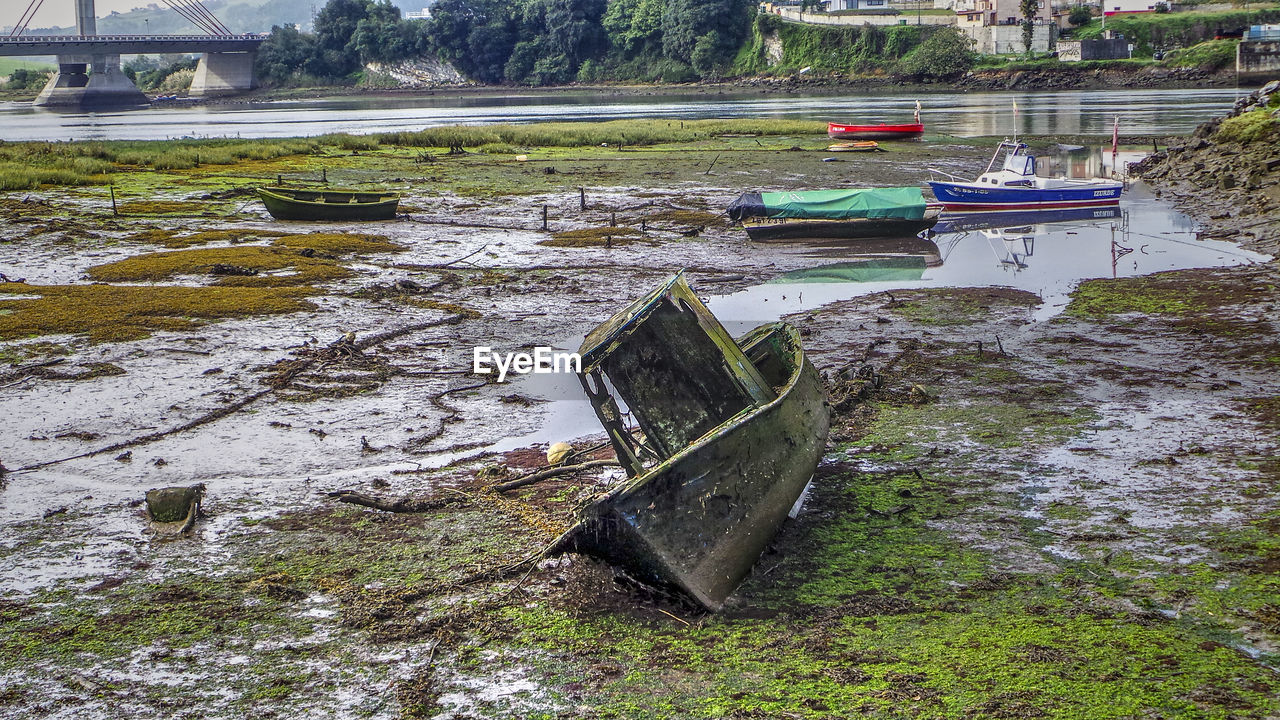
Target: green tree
<point>476,36</point>
<point>556,36</point>
<point>715,29</point>
<point>383,37</point>
<point>634,25</point>
<point>946,53</point>
<point>1028,9</point>
<point>1080,15</point>
<point>284,53</point>
<point>336,25</point>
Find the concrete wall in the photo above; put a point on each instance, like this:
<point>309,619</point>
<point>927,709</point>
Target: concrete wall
<point>1078,50</point>
<point>223,74</point>
<point>1006,39</point>
<point>905,18</point>
<point>1261,56</point>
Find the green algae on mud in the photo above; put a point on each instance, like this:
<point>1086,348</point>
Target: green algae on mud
<point>954,308</point>
<point>595,237</point>
<point>307,258</point>
<point>108,313</point>
<point>1178,292</point>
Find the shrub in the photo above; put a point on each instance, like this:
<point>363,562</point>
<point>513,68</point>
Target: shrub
<point>946,53</point>
<point>24,79</point>
<point>1251,127</point>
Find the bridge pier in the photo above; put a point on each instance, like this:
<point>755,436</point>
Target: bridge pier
<point>223,73</point>
<point>90,81</point>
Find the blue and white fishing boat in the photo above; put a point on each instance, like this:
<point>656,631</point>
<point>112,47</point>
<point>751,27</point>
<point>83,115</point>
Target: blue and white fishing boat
<point>1015,186</point>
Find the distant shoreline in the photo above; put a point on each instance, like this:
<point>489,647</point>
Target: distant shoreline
<point>980,80</point>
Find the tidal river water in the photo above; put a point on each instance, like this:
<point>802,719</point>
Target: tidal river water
<point>961,114</point>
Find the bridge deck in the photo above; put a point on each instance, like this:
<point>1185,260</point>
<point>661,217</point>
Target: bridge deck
<point>126,44</point>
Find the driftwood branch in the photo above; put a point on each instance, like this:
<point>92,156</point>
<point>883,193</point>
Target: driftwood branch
<point>551,472</point>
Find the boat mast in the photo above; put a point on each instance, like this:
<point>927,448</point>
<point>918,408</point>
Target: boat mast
<point>1015,122</point>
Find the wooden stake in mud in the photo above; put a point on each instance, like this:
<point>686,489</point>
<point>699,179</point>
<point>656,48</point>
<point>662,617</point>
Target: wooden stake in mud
<point>582,198</point>
<point>544,218</point>
<point>613,219</point>
<point>114,209</point>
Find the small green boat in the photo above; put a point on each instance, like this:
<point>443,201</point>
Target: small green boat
<point>731,434</point>
<point>309,204</point>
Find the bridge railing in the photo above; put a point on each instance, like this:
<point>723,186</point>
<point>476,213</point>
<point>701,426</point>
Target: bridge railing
<point>39,39</point>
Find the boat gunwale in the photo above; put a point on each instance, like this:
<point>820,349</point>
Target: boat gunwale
<point>594,355</point>
<point>383,198</point>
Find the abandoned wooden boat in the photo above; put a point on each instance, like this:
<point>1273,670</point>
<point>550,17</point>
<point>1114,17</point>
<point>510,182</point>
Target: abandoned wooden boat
<point>842,214</point>
<point>328,204</point>
<point>731,434</point>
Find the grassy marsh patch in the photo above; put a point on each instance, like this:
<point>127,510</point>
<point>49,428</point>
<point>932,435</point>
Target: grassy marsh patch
<point>595,237</point>
<point>613,132</point>
<point>307,258</point>
<point>1192,296</point>
<point>107,313</point>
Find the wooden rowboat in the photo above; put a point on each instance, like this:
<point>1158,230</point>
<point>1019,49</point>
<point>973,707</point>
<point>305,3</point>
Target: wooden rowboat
<point>856,146</point>
<point>328,204</point>
<point>904,131</point>
<point>732,432</point>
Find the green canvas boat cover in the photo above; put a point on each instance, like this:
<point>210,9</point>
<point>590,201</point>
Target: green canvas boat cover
<point>899,203</point>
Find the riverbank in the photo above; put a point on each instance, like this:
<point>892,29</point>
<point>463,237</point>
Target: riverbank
<point>1065,517</point>
<point>1097,76</point>
<point>1227,174</point>
<point>1117,75</point>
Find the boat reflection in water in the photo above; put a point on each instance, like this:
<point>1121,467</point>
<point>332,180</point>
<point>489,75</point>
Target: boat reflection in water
<point>1046,253</point>
<point>882,260</point>
<point>1012,234</point>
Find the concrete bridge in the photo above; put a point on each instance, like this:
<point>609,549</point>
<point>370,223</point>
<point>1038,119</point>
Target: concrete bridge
<point>89,72</point>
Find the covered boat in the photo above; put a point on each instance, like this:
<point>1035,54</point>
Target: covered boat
<point>845,214</point>
<point>902,131</point>
<point>1015,186</point>
<point>730,434</point>
<point>328,204</point>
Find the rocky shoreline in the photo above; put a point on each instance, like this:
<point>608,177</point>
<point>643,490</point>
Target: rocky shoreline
<point>1231,187</point>
<point>1064,78</point>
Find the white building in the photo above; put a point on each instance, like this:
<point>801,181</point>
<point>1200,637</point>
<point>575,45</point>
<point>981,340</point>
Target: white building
<point>836,5</point>
<point>1112,7</point>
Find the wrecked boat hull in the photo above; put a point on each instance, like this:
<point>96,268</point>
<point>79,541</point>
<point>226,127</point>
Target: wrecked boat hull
<point>699,520</point>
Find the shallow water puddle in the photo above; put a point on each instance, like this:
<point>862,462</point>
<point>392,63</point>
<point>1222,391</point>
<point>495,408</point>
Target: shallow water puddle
<point>1044,252</point>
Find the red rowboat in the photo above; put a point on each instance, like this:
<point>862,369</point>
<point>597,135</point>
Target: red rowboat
<point>875,132</point>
